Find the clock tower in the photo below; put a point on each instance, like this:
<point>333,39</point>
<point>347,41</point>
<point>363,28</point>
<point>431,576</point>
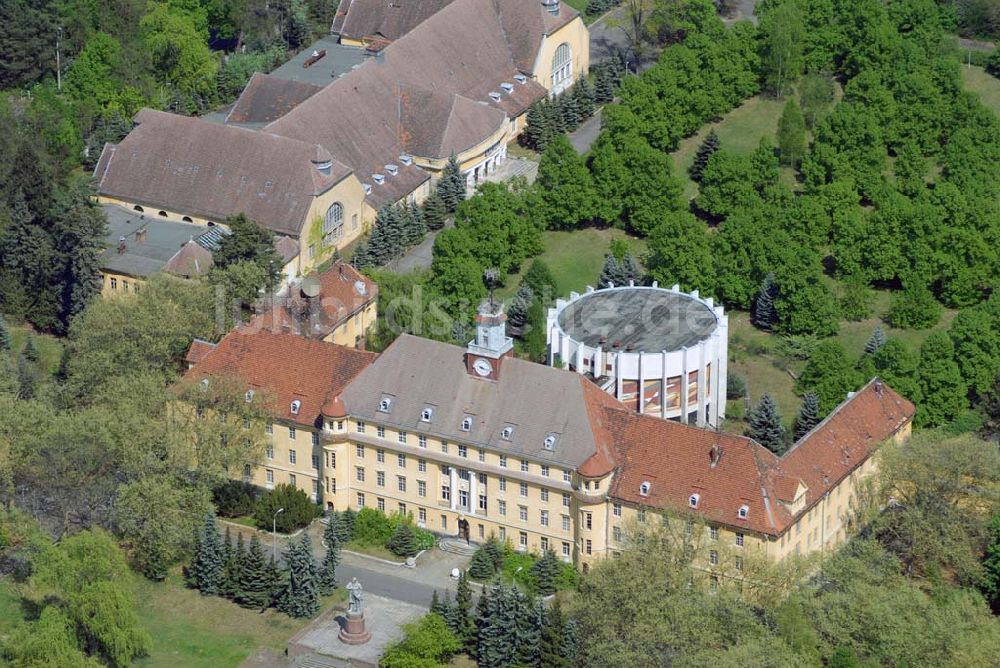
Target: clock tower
<point>486,352</point>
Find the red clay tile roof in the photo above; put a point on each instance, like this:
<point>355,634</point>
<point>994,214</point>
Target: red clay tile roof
<point>675,460</point>
<point>391,19</point>
<point>191,260</point>
<point>287,366</point>
<point>343,292</point>
<point>198,350</point>
<point>605,457</point>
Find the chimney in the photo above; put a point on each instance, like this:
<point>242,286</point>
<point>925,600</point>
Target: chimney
<point>551,6</point>
<point>714,454</point>
<point>122,246</point>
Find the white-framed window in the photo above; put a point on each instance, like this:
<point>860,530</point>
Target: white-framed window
<point>446,492</point>
<point>315,439</point>
<point>401,437</point>
<point>713,558</point>
<point>567,476</point>
<point>333,223</point>
<point>503,484</point>
<point>739,563</point>
<point>544,542</point>
<point>482,455</point>
<point>422,465</point>
<point>522,513</point>
<point>565,550</point>
<point>544,518</point>
<point>644,489</point>
<point>361,500</point>
<point>463,451</point>
<point>444,521</point>
<point>380,478</point>
<point>359,473</point>
<point>482,502</point>
<point>616,533</point>
<point>713,533</point>
<point>562,68</point>
<point>590,546</point>
<point>315,461</point>
<point>269,477</point>
<point>444,447</point>
<point>524,466</point>
<point>616,510</point>
<point>522,540</point>
<point>503,461</point>
<point>269,452</point>
<point>743,512</point>
<point>315,491</point>
<point>380,456</point>
<point>380,503</point>
<point>588,521</point>
<point>422,515</point>
<point>502,532</point>
<point>524,489</point>
<point>269,428</point>
<point>401,460</point>
<point>291,457</point>
<point>502,507</point>
<point>426,414</point>
<point>359,451</point>
<point>422,441</point>
<point>421,488</point>
<point>545,471</point>
<point>360,427</point>
<point>291,433</point>
<point>565,499</point>
<point>331,460</point>
<point>401,483</point>
<point>739,539</point>
<point>380,431</point>
<point>642,516</point>
<point>292,480</point>
<point>565,522</point>
<point>333,485</point>
<point>402,508</point>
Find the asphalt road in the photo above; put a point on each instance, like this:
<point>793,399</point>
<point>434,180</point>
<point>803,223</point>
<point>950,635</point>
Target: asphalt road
<point>388,586</point>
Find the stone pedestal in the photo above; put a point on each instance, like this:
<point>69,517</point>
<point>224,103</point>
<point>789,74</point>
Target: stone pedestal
<point>354,632</point>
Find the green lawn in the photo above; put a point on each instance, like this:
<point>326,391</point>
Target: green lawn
<point>985,85</point>
<point>49,347</point>
<point>575,258</point>
<point>757,356</point>
<point>192,630</point>
<point>372,551</point>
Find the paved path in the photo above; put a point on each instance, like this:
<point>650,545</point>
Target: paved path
<point>605,39</point>
<point>584,136</point>
<point>419,256</point>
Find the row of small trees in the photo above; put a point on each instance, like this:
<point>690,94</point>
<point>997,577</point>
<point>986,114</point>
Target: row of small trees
<point>371,527</point>
<point>489,560</point>
<point>247,576</point>
<point>508,627</point>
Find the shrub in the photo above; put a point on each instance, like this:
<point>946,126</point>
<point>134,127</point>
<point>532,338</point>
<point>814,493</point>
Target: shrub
<point>234,498</point>
<point>404,541</point>
<point>426,642</point>
<point>914,307</point>
<point>736,387</point>
<point>374,528</point>
<point>299,510</point>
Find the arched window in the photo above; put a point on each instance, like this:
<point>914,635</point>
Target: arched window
<point>333,223</point>
<point>562,68</point>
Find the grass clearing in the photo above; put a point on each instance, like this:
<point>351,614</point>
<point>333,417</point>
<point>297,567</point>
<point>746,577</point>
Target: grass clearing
<point>986,86</point>
<point>372,551</point>
<point>49,347</point>
<point>575,258</point>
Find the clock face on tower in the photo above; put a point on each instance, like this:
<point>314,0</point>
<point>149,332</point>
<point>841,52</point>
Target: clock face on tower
<point>482,367</point>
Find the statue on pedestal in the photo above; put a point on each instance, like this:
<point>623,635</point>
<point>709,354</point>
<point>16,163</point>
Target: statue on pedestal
<point>355,601</point>
<point>354,631</point>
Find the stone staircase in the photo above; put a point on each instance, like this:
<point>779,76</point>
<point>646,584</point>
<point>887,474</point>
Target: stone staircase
<point>459,547</point>
<point>317,661</point>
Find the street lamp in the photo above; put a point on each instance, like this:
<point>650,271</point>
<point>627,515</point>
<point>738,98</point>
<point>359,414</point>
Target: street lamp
<point>514,576</point>
<point>274,534</point>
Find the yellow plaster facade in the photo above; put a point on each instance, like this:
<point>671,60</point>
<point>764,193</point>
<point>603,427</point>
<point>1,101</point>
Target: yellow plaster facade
<point>355,327</point>
<point>119,285</point>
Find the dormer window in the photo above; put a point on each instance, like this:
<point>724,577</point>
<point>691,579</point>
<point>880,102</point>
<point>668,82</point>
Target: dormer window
<point>507,87</point>
<point>426,414</point>
<point>550,442</point>
<point>367,187</point>
<point>392,170</point>
<point>467,423</point>
<point>644,489</point>
<point>520,78</point>
<point>406,159</point>
<point>743,512</point>
<point>379,179</point>
<point>506,433</point>
<point>495,96</point>
<point>693,500</point>
<point>385,404</point>
<point>296,405</point>
<point>249,396</point>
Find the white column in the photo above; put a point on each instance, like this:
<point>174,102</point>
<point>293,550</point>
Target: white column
<point>473,499</point>
<point>684,385</point>
<point>713,388</point>
<point>454,488</point>
<point>642,386</point>
<point>663,384</point>
<point>702,390</point>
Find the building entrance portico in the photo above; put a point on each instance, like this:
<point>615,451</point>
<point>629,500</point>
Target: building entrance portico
<point>494,157</point>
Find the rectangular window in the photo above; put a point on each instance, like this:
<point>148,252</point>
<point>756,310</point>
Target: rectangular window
<point>444,521</point>
<point>422,441</point>
<point>315,439</point>
<point>565,499</point>
<point>502,507</point>
<point>503,484</point>
<point>315,461</point>
<point>545,471</point>
<point>246,424</point>
<point>713,558</point>
<point>616,533</point>
<point>565,550</point>
<point>588,521</point>
<point>713,533</point>
<point>544,543</point>
<point>739,539</point>
<point>291,456</point>
<point>616,510</point>
<point>380,431</point>
<point>739,563</point>
<point>444,447</point>
<point>359,450</point>
<point>401,460</point>
<point>380,478</point>
<point>340,425</point>
<point>463,451</point>
<point>315,488</point>
<point>331,460</point>
<point>361,500</point>
<point>360,427</point>
<point>292,480</point>
<point>524,466</point>
<point>590,546</point>
<point>522,540</point>
<point>333,485</point>
<point>544,517</point>
<point>502,534</point>
<point>482,455</point>
<point>422,465</point>
<point>482,502</point>
<point>421,488</point>
<point>269,452</point>
<point>269,428</point>
<point>422,515</point>
<point>380,502</point>
<point>567,476</point>
<point>380,456</point>
<point>401,483</point>
<point>545,495</point>
<point>359,473</point>
<point>642,516</point>
<point>503,461</point>
<point>401,437</point>
<point>565,522</point>
<point>524,489</point>
<point>269,476</point>
<point>114,283</point>
<point>402,508</point>
<point>446,492</point>
<point>291,433</point>
<point>522,513</point>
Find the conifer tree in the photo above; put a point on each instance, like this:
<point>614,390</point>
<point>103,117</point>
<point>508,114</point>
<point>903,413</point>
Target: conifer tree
<point>876,341</point>
<point>808,417</point>
<point>553,638</point>
<point>403,541</point>
<point>538,130</point>
<point>234,567</point>
<point>255,588</point>
<point>207,571</point>
<point>435,211</point>
<point>481,566</point>
<point>276,581</point>
<point>764,314</point>
<point>30,352</point>
<point>448,611</point>
<point>545,571</point>
<point>583,93</point>
<point>464,628</point>
<point>328,570</point>
<point>482,618</point>
<point>451,187</point>
<point>765,425</point>
<point>708,147</point>
<point>495,549</point>
<point>27,380</point>
<point>556,120</point>
<point>571,645</point>
<point>604,85</point>
<point>349,519</point>
<point>415,228</point>
<point>570,111</point>
<point>528,624</point>
<point>435,607</point>
<point>301,596</point>
<point>5,340</point>
<point>517,313</point>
